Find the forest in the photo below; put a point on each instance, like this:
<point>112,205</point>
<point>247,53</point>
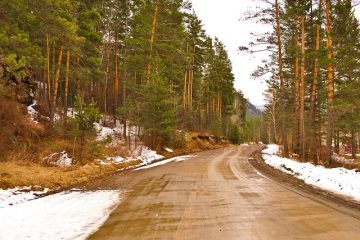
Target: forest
<point>146,63</point>
<point>313,101</point>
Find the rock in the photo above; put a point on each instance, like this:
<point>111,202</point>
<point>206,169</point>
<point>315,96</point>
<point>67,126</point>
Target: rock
<point>61,159</point>
<point>21,82</point>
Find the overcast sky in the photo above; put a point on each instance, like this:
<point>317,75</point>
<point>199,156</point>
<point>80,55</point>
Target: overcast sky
<point>221,19</point>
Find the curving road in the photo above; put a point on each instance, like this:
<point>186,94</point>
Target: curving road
<point>217,195</point>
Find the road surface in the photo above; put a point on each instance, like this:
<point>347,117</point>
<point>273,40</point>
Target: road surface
<point>217,195</point>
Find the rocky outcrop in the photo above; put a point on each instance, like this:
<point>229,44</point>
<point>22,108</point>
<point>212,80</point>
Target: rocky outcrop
<point>21,81</point>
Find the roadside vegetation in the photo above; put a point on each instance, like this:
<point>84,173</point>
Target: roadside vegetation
<point>312,74</point>
<point>145,69</point>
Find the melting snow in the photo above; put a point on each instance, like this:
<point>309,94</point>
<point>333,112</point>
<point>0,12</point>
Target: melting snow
<point>33,114</point>
<point>338,180</point>
<point>115,133</point>
<point>67,215</point>
<point>116,159</point>
<point>177,159</point>
<point>146,155</point>
<point>61,159</point>
<point>19,195</point>
<point>168,150</point>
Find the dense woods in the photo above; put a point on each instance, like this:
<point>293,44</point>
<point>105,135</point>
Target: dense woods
<point>147,63</point>
<point>313,96</point>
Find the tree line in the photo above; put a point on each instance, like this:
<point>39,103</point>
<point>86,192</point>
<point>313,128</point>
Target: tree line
<point>145,62</point>
<point>313,76</point>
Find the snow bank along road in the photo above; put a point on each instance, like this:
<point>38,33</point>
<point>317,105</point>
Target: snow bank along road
<point>217,195</point>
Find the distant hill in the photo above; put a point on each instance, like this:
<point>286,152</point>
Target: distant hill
<point>252,110</point>
<point>262,108</point>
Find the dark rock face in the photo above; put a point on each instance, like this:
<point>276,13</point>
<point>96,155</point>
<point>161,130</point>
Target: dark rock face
<point>21,82</point>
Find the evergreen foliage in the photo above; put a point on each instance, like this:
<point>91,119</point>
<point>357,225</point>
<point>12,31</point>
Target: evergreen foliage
<point>320,56</point>
<point>146,62</point>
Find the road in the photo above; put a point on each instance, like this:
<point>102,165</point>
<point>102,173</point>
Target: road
<point>217,195</point>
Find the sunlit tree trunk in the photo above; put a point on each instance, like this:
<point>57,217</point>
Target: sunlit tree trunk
<point>124,66</point>
<point>152,39</point>
<point>296,90</point>
<point>184,92</point>
<point>282,84</point>
<point>302,91</point>
<point>313,99</point>
<point>330,85</point>
<point>56,85</point>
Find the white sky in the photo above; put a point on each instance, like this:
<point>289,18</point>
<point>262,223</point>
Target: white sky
<point>221,19</point>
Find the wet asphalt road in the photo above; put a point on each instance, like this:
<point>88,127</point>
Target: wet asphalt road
<point>217,195</point>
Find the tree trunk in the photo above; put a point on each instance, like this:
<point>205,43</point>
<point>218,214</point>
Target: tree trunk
<point>296,91</point>
<point>48,71</point>
<point>330,85</point>
<point>337,141</point>
<point>78,84</point>
<point>56,85</point>
<point>66,82</point>
<point>188,87</point>
<point>313,99</point>
<point>124,67</point>
<point>191,88</point>
<point>152,39</point>
<point>353,143</point>
<point>184,93</point>
<point>116,81</point>
<point>302,91</point>
<point>106,82</point>
<point>282,84</point>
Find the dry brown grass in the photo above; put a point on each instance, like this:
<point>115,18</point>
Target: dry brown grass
<point>23,167</point>
<point>195,143</point>
<point>14,174</point>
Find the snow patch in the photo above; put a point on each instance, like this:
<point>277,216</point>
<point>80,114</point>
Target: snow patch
<point>18,195</point>
<point>61,159</point>
<point>272,149</point>
<point>103,132</point>
<point>177,159</point>
<point>338,180</point>
<point>116,159</point>
<point>146,155</point>
<point>33,114</point>
<point>116,132</point>
<point>168,150</point>
<point>67,215</point>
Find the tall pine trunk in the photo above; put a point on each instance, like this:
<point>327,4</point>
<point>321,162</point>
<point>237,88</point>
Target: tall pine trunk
<point>152,39</point>
<point>78,83</point>
<point>116,80</point>
<point>124,68</point>
<point>302,91</point>
<point>296,90</point>
<point>66,83</point>
<point>282,84</point>
<point>313,99</point>
<point>106,82</point>
<point>56,85</point>
<point>330,85</point>
<point>184,93</point>
<point>48,71</point>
